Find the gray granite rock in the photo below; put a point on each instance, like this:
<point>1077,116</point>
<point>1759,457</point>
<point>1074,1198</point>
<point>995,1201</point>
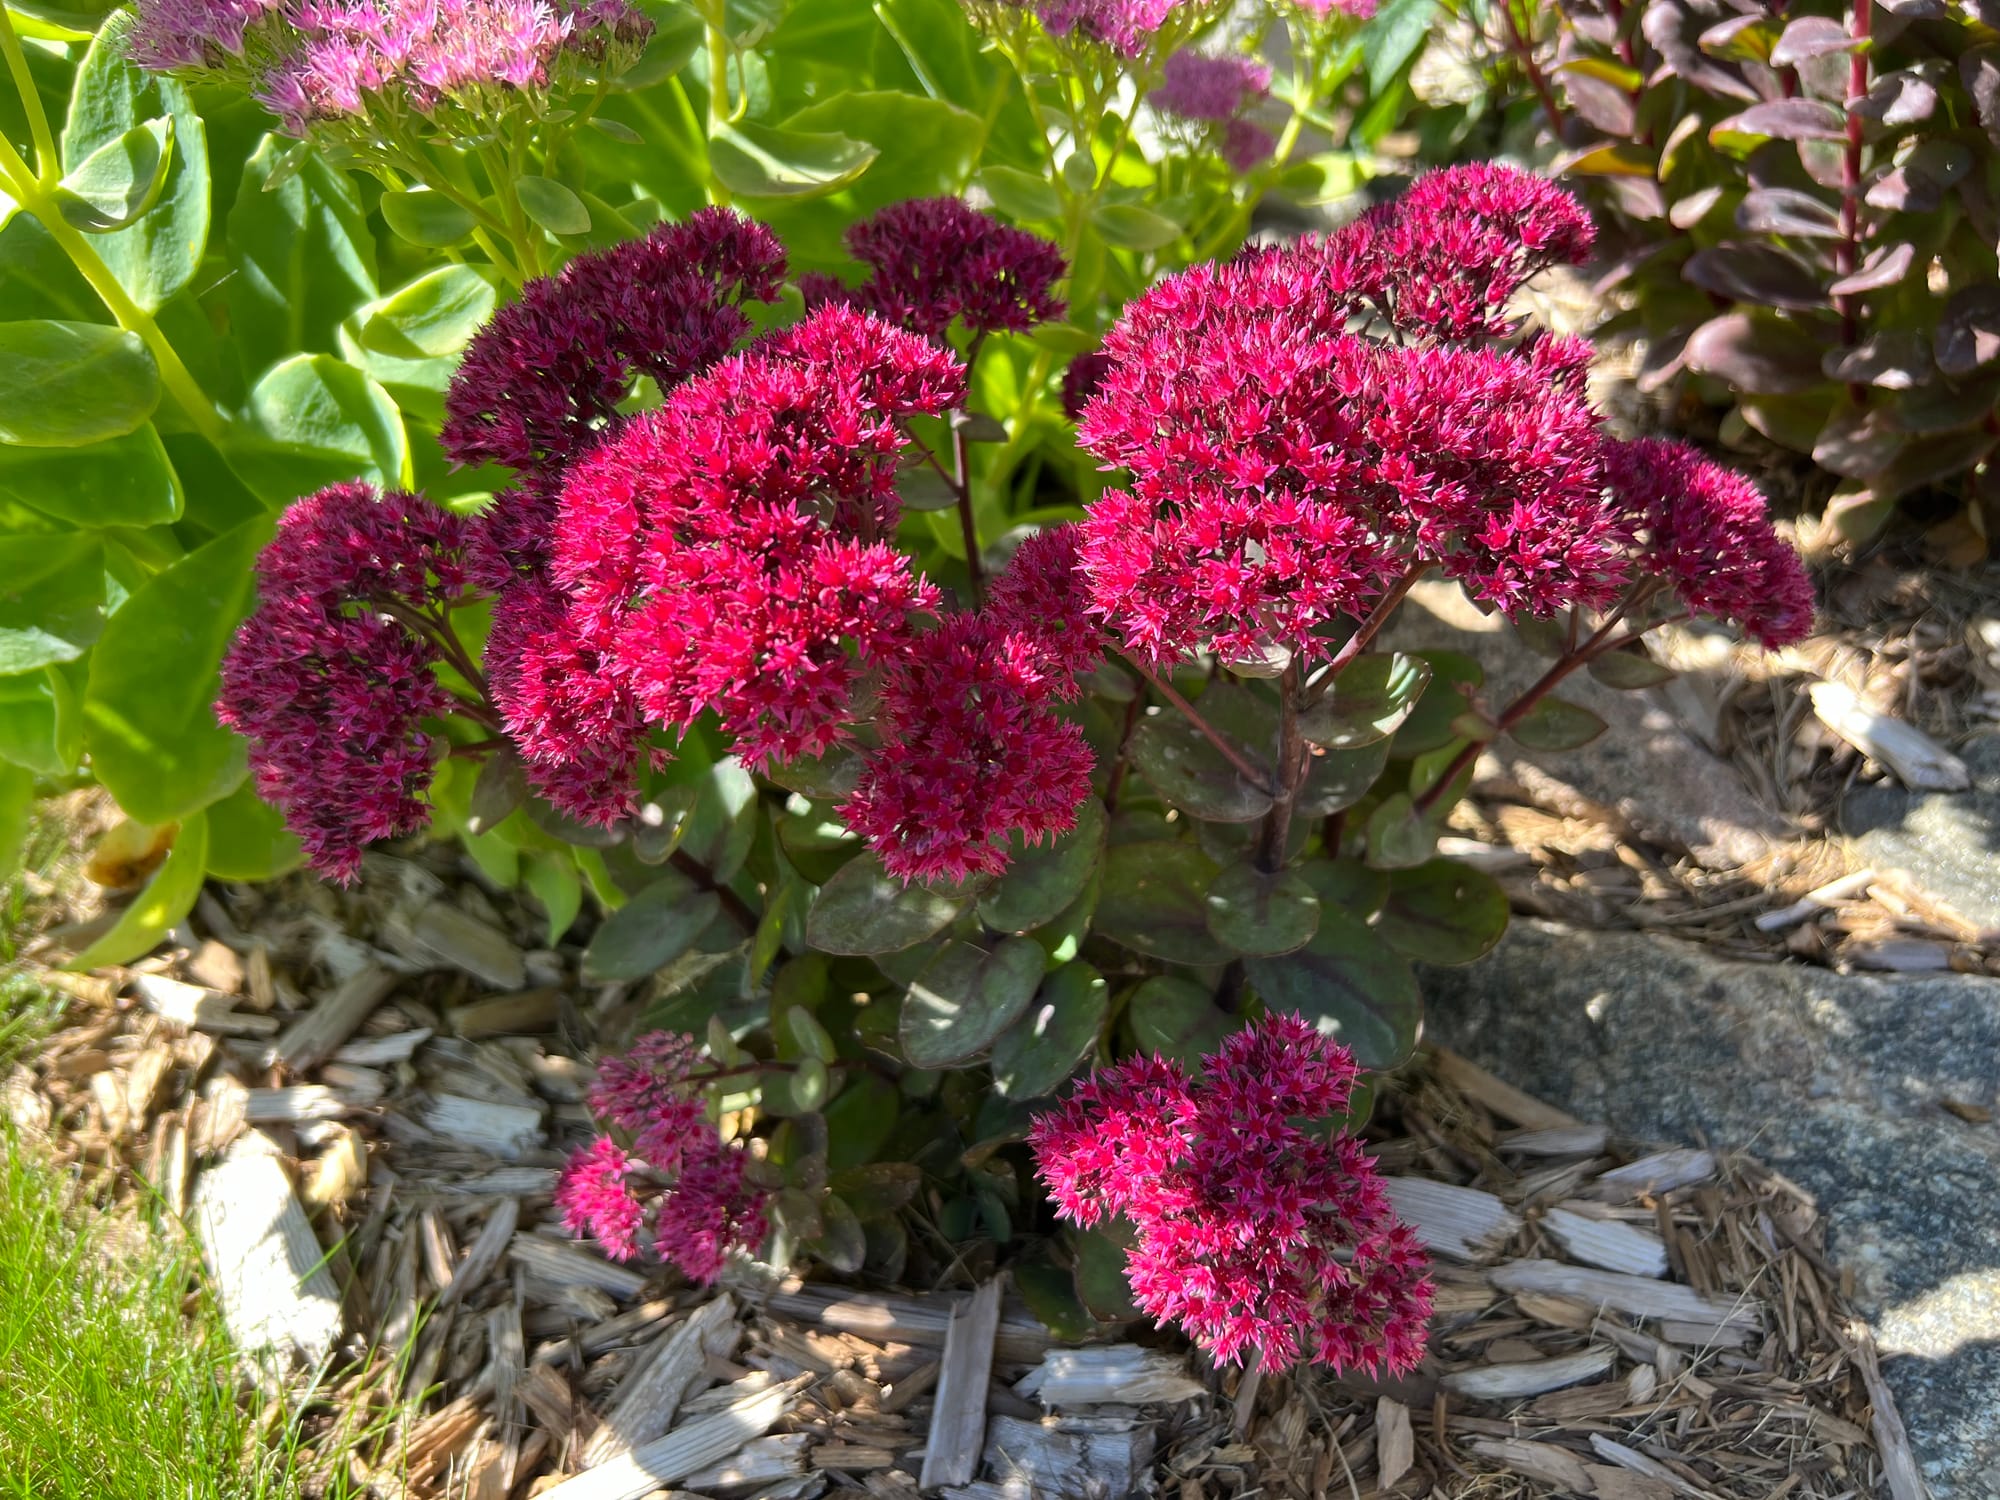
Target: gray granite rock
<point>1949,841</point>
<point>1837,1081</point>
<point>1646,764</point>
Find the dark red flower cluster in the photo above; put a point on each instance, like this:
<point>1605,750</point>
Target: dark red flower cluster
<point>328,682</point>
<point>677,1167</point>
<point>936,261</point>
<point>729,551</point>
<point>1706,533</point>
<point>543,379</point>
<point>1254,1232</point>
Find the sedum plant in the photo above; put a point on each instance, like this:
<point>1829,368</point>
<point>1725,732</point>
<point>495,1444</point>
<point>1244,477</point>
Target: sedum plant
<point>907,835</point>
<point>1808,199</point>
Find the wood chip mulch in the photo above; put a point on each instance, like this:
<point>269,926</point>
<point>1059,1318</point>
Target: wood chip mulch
<point>357,1103</point>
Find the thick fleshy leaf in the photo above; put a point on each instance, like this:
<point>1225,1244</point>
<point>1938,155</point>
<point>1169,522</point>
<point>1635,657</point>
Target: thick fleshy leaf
<point>1368,701</point>
<point>1176,1018</point>
<point>149,716</point>
<point>1858,439</point>
<point>1154,901</point>
<point>1782,120</point>
<point>119,181</point>
<point>66,385</point>
<point>1623,159</point>
<point>302,253</point>
<point>1101,1281</point>
<point>1045,878</point>
<point>1786,211</point>
<point>1453,674</point>
<point>426,218</point>
<point>432,317</point>
<point>1021,195</point>
<point>122,481</point>
<point>1347,885</point>
<point>1187,769</point>
<point>651,930</point>
<point>1130,227</point>
<point>51,600</point>
<point>1555,724</point>
<point>1443,913</point>
<point>158,254</point>
<point>1262,912</point>
<point>1908,96</point>
<point>1756,354</point>
<point>1352,985</point>
<point>1896,359</point>
<point>1762,274</point>
<point>965,998</point>
<point>1629,669</point>
<point>165,900</point>
<point>1968,335</point>
<point>762,161</point>
<point>247,838</point>
<point>1038,1053</point>
<point>1337,779</point>
<point>1811,36</point>
<point>1947,456</point>
<point>314,421</point>
<point>1885,265</point>
<point>1979,71</point>
<point>555,207</point>
<point>866,910</point>
<point>40,728</point>
<point>1399,836</point>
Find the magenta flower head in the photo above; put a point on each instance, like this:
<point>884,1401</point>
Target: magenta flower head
<point>543,379</point>
<point>729,551</point>
<point>937,261</point>
<point>1198,86</point>
<point>1040,603</point>
<point>1125,26</point>
<point>971,754</point>
<point>1706,532</point>
<point>1256,1233</point>
<point>678,1184</point>
<point>175,35</point>
<point>327,681</point>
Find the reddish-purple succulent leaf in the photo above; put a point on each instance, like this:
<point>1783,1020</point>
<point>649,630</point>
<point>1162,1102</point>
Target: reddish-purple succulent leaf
<point>1672,28</point>
<point>1858,440</point>
<point>1943,406</point>
<point>1787,211</point>
<point>1755,353</point>
<point>1784,120</point>
<point>1762,274</point>
<point>1896,359</point>
<point>1907,96</point>
<point>1884,266</point>
<point>1968,335</point>
<point>1979,71</point>
<point>1947,456</point>
<point>1691,210</point>
<point>1811,36</point>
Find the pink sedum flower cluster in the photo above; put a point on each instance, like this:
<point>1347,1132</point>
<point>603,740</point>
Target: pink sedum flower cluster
<point>1288,470</point>
<point>331,60</point>
<point>1256,1234</point>
<point>1126,27</point>
<point>679,1190</point>
<point>1219,91</point>
<point>327,681</point>
<point>939,261</point>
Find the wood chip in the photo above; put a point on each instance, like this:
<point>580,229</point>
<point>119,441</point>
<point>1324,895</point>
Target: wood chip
<point>311,1039</point>
<point>1068,1458</point>
<point>1464,1223</point>
<point>503,1130</point>
<point>1651,1468</point>
<point>1564,1140</point>
<point>1529,1378</point>
<point>1395,1443</point>
<point>1899,1463</point>
<point>526,1013</point>
<point>1650,1176</point>
<point>1540,1461</point>
<point>649,1399</point>
<point>687,1451</point>
<point>270,1273</point>
<point>1636,1295</point>
<point>199,1009</point>
<point>560,1265</point>
<point>958,1419</point>
<point>1606,1243</point>
<point>1913,757</point>
<point>375,1051</point>
<point>484,1253</point>
<point>1502,1098</point>
<point>1123,1373</point>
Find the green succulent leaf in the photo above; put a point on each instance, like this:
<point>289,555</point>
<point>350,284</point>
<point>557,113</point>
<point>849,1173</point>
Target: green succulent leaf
<point>555,207</point>
<point>165,900</point>
<point>1255,911</point>
<point>1022,195</point>
<point>1443,912</point>
<point>433,317</point>
<point>1629,669</point>
<point>427,218</point>
<point>762,161</point>
<point>67,385</point>
<point>121,180</point>
<point>1430,722</point>
<point>1035,1055</point>
<point>247,838</point>
<point>1044,879</point>
<point>1368,701</point>
<point>964,998</point>
<point>51,600</point>
<point>864,909</point>
<point>121,481</point>
<point>1556,724</point>
<point>1130,227</point>
<point>40,726</point>
<point>1154,901</point>
<point>1101,1281</point>
<point>651,930</point>
<point>302,254</point>
<point>149,716</point>
<point>1174,1017</point>
<point>1187,769</point>
<point>1352,985</point>
<point>313,421</point>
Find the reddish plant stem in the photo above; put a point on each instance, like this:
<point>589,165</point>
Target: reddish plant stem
<point>1273,836</point>
<point>1121,763</point>
<point>1601,641</point>
<point>962,484</point>
<point>1524,53</point>
<point>1333,833</point>
<point>1249,772</point>
<point>1365,633</point>
<point>1847,254</point>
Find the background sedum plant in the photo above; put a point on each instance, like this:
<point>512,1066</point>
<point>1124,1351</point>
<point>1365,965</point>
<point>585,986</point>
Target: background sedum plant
<point>910,817</point>
<point>1809,231</point>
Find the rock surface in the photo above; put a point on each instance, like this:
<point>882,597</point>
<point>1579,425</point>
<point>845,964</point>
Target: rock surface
<point>1949,841</point>
<point>1646,764</point>
<point>1840,1082</point>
